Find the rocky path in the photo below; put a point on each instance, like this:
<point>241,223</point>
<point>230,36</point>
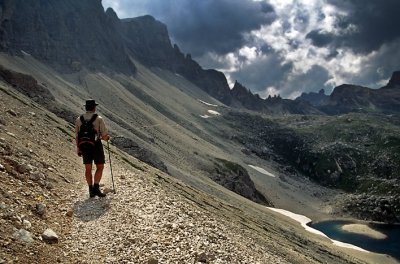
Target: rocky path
<point>144,223</point>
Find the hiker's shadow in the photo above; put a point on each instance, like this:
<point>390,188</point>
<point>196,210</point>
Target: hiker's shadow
<point>91,209</point>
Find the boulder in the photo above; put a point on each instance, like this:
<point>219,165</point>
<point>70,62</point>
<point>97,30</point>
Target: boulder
<point>23,235</point>
<point>41,209</point>
<point>49,236</point>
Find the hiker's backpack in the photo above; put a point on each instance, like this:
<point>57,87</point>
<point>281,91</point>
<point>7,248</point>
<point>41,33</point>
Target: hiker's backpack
<point>87,134</point>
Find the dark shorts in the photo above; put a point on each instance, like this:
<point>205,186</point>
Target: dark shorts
<point>97,155</point>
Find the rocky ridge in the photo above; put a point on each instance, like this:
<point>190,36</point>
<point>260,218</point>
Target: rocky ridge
<point>315,99</point>
<point>348,98</point>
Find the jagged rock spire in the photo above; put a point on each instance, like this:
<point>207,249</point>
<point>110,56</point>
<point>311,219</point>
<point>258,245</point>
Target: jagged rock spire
<point>395,80</point>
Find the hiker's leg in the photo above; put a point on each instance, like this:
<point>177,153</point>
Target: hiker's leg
<point>88,174</point>
<point>97,179</point>
<point>99,173</point>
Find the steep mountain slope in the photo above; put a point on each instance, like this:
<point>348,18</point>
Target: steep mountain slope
<point>158,116</point>
<point>148,219</point>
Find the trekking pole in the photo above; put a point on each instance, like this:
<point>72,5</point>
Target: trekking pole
<point>109,158</point>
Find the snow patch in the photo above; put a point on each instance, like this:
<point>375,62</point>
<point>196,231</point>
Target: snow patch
<point>261,170</point>
<point>201,101</point>
<point>304,220</point>
<point>25,53</point>
<point>213,112</point>
<point>205,116</point>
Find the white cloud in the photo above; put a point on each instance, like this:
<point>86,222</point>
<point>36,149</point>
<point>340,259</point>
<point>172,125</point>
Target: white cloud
<point>269,91</point>
<point>287,36</point>
<point>250,53</point>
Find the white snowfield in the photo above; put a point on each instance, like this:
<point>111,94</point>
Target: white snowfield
<point>201,101</point>
<point>304,220</point>
<point>261,170</point>
<point>213,112</point>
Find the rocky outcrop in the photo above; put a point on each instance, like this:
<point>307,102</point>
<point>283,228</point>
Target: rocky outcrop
<point>373,208</point>
<point>247,98</point>
<point>39,93</point>
<point>394,80</point>
<point>26,84</point>
<point>315,99</point>
<point>236,178</point>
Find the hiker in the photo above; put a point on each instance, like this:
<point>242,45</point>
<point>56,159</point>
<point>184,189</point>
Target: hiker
<point>90,130</point>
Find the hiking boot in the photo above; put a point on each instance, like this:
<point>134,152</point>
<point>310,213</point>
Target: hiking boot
<point>96,191</point>
<point>91,191</point>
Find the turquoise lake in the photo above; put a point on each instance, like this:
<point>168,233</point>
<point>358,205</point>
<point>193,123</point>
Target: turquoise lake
<point>389,246</point>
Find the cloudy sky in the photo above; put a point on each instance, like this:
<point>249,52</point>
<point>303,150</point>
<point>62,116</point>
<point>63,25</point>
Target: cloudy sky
<point>283,46</point>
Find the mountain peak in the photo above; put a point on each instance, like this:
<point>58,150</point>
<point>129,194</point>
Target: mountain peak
<point>394,80</point>
<point>112,14</point>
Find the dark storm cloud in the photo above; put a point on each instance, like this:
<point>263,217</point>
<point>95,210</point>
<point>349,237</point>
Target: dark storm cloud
<point>312,81</point>
<point>271,73</point>
<point>214,26</point>
<point>320,39</point>
<point>368,25</point>
<point>205,26</point>
<point>263,73</point>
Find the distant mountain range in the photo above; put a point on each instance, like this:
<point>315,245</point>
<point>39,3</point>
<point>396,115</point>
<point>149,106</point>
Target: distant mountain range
<point>73,35</point>
<point>353,98</point>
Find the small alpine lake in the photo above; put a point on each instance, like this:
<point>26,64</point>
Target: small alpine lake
<point>379,238</point>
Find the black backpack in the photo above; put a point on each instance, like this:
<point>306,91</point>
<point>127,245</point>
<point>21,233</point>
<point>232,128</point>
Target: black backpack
<point>87,134</point>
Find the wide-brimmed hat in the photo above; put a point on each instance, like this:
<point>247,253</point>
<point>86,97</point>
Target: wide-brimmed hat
<point>91,102</point>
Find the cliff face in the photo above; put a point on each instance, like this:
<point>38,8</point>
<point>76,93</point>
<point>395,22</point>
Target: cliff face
<point>66,34</point>
<point>149,41</point>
